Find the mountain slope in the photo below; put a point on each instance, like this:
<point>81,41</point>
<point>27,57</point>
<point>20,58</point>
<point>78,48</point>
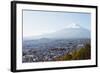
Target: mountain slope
<point>73,32</point>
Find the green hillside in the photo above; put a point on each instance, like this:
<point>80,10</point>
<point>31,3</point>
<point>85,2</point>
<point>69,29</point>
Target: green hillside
<point>79,54</point>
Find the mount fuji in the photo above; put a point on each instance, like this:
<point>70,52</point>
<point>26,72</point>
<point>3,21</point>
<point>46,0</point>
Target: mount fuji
<point>73,31</point>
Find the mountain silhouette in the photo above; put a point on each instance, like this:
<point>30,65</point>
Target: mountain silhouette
<point>73,31</point>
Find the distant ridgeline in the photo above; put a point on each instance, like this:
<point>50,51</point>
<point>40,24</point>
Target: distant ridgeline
<point>74,31</point>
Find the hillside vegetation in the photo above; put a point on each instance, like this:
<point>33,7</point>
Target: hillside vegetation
<point>78,54</point>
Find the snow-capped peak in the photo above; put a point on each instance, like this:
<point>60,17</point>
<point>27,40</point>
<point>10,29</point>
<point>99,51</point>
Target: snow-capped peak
<point>73,25</point>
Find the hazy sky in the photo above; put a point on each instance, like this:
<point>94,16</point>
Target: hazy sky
<point>40,22</point>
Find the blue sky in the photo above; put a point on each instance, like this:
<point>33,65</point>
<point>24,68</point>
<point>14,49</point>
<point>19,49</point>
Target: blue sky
<point>41,22</point>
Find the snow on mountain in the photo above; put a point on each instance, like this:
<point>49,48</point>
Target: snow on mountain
<point>73,31</point>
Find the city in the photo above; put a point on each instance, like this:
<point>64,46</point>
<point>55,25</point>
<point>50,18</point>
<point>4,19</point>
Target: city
<point>51,50</point>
